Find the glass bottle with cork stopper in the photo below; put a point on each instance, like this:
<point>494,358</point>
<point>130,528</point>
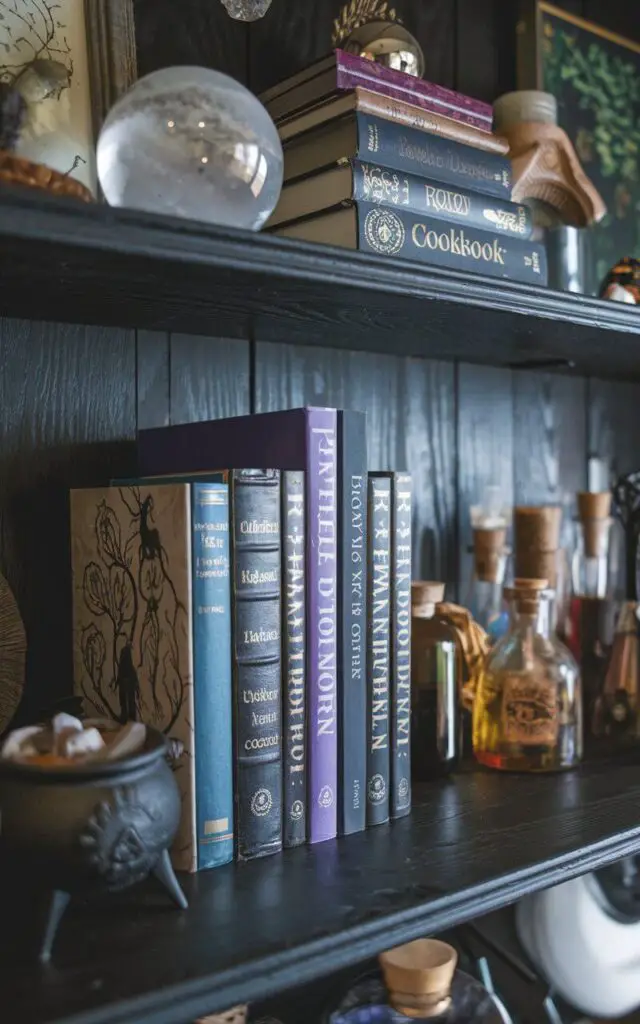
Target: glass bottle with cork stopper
<point>489,523</point>
<point>527,713</point>
<point>435,667</point>
<point>590,625</point>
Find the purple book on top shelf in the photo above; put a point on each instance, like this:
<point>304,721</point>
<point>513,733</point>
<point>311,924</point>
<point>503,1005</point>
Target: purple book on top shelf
<point>343,71</point>
<point>302,439</point>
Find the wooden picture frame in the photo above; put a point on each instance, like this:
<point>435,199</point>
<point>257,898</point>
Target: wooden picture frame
<point>111,42</point>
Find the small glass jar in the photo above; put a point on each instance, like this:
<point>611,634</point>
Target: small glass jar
<point>527,713</point>
<point>436,738</point>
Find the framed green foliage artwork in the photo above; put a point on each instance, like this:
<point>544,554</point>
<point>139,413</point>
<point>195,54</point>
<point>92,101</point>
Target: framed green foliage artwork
<point>595,76</point>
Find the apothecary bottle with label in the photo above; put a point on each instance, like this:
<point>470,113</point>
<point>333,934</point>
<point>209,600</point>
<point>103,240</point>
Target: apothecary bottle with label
<point>527,713</point>
<point>436,737</point>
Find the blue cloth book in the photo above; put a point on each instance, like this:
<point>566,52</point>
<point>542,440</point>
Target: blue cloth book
<point>211,561</point>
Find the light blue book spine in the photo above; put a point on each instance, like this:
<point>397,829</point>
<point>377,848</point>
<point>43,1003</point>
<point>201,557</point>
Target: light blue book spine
<point>212,673</point>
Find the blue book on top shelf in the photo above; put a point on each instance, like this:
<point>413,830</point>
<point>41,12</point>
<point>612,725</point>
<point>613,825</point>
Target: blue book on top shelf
<point>212,686</point>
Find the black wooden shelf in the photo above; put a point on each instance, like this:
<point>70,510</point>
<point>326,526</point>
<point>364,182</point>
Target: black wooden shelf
<point>62,260</point>
<point>472,844</point>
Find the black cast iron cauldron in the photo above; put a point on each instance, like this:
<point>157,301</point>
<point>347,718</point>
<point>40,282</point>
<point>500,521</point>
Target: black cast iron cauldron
<point>90,828</point>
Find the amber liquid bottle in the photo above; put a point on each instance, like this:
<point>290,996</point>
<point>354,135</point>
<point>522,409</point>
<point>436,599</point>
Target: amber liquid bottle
<point>436,738</point>
<point>527,713</point>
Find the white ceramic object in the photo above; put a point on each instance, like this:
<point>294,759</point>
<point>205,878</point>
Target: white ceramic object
<point>194,143</point>
<point>590,959</point>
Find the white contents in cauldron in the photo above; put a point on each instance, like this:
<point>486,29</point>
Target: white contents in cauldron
<point>67,739</point>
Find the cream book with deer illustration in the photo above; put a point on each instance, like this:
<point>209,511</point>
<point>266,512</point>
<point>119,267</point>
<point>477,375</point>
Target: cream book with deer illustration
<point>132,620</point>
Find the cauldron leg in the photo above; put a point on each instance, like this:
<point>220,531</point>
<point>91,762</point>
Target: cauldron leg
<point>166,875</point>
<point>57,907</point>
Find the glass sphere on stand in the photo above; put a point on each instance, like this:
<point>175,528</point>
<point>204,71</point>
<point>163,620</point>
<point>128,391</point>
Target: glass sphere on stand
<point>192,142</point>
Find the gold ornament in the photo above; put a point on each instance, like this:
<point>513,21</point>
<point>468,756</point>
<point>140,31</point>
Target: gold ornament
<point>358,13</point>
<point>373,29</point>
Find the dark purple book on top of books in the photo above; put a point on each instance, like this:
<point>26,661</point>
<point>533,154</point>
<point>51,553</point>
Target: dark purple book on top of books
<point>354,70</point>
<point>302,439</point>
<point>342,71</point>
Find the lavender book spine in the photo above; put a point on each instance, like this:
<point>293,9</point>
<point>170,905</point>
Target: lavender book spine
<point>322,622</point>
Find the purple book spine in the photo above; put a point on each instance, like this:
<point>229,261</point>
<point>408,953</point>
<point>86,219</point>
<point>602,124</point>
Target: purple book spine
<point>353,71</point>
<point>322,621</point>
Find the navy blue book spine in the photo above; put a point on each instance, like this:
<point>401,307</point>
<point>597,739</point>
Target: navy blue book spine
<point>401,548</point>
<point>352,633</point>
<point>294,658</point>
<point>373,183</point>
<point>257,662</point>
<point>432,156</point>
<point>419,236</point>
<point>212,686</point>
<point>378,653</point>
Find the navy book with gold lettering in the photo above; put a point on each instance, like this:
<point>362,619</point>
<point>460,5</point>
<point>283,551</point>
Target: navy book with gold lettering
<point>396,145</point>
<point>352,619</point>
<point>378,648</point>
<point>294,658</point>
<point>371,182</point>
<point>256,657</point>
<point>401,234</point>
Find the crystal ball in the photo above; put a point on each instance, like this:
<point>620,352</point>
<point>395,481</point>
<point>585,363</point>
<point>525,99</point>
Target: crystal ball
<point>192,142</point>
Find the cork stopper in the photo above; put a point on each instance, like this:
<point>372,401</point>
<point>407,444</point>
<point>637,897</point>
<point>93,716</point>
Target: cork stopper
<point>425,595</point>
<point>537,527</point>
<point>537,540</point>
<point>488,551</point>
<point>593,511</point>
<point>594,504</point>
<point>526,594</point>
<point>418,976</point>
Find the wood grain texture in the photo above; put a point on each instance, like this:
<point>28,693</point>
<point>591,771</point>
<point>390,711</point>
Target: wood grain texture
<point>485,446</point>
<point>289,37</point>
<point>191,32</point>
<point>472,843</point>
<point>614,424</point>
<point>209,378</point>
<point>152,379</point>
<point>476,33</point>
<point>127,267</point>
<point>410,425</point>
<point>67,420</point>
<point>292,35</point>
<point>112,53</point>
<point>550,442</point>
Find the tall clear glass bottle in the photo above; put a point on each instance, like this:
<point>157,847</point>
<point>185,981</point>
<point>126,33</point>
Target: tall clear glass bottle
<point>436,738</point>
<point>590,625</point>
<point>527,713</point>
<point>484,598</point>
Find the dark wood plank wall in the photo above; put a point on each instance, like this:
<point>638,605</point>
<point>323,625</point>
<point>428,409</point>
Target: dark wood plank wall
<point>72,397</point>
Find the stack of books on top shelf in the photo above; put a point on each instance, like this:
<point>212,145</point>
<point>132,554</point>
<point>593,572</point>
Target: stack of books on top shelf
<point>380,161</point>
<point>260,616</point>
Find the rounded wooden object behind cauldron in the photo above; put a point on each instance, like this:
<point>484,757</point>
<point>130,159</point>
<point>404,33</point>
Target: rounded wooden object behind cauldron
<point>90,828</point>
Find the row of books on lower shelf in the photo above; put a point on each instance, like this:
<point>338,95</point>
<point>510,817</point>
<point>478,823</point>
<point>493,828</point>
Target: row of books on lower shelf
<point>259,617</point>
<point>383,162</point>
